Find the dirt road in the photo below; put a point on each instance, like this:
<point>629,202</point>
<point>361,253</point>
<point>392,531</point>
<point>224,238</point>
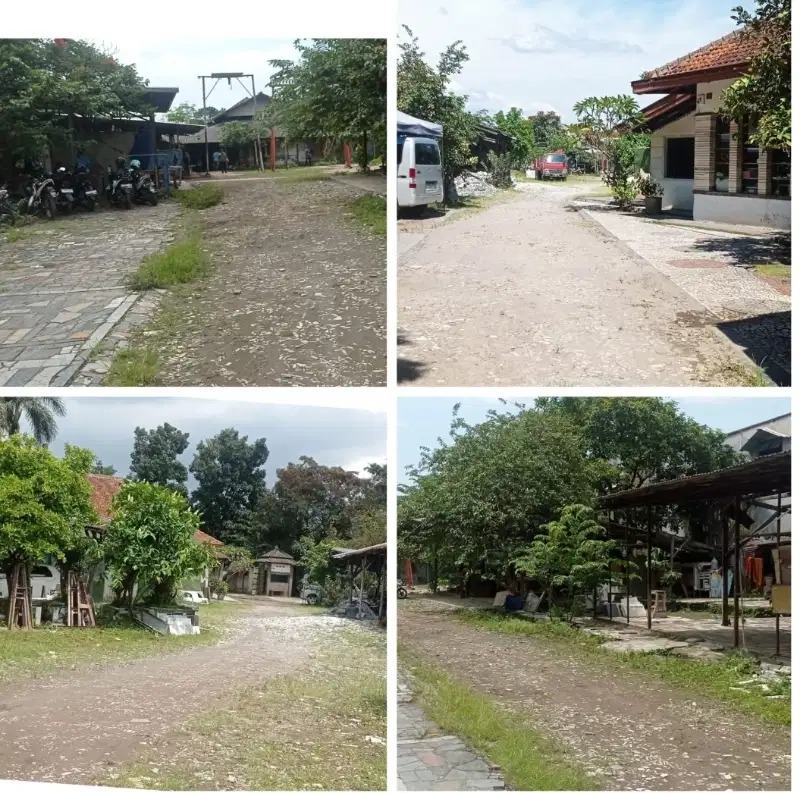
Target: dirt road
<point>633,733</point>
<point>530,293</point>
<point>75,725</point>
<point>297,295</point>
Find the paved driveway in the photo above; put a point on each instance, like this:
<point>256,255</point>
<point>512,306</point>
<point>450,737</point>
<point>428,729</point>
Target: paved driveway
<point>531,293</point>
<point>62,289</point>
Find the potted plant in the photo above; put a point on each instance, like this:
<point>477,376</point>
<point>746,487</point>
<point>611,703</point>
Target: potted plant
<point>652,192</point>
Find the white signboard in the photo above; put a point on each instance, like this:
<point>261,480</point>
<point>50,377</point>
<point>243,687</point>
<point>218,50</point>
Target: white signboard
<point>281,568</point>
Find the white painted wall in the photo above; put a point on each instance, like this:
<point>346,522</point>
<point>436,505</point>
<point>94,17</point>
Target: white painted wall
<point>677,192</point>
<point>714,103</point>
<point>746,210</point>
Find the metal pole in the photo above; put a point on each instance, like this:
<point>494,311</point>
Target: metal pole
<point>259,161</point>
<point>778,548</point>
<point>382,588</point>
<point>736,562</point>
<point>361,589</point>
<point>726,620</point>
<point>649,560</point>
<point>205,121</point>
<point>627,573</point>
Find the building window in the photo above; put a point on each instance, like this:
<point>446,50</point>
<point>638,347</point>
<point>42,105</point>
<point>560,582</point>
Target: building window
<point>680,158</point>
<point>780,175</point>
<point>749,160</point>
<point>722,154</point>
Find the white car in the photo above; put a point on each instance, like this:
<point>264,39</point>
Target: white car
<point>419,172</point>
<point>195,598</point>
<point>45,583</point>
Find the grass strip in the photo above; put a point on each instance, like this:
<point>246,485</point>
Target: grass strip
<point>528,758</point>
<point>180,263</point>
<point>712,680</point>
<point>39,652</point>
<point>370,210</point>
<point>202,197</point>
<point>322,728</point>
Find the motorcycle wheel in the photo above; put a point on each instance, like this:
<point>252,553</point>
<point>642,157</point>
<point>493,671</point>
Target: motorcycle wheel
<point>402,594</point>
<point>91,204</point>
<point>49,206</point>
<point>312,599</point>
<point>153,198</point>
<point>67,208</point>
<point>126,200</point>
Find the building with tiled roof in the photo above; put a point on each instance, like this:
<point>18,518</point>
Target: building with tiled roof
<point>703,160</point>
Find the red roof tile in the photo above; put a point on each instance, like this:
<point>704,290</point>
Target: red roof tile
<point>201,536</point>
<point>732,50</point>
<point>104,488</point>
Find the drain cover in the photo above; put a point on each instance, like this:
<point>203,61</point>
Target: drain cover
<point>697,264</point>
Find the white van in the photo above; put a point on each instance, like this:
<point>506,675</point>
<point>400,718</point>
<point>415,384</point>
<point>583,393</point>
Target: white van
<point>45,583</point>
<point>419,172</point>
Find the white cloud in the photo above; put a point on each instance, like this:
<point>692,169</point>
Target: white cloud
<point>556,52</point>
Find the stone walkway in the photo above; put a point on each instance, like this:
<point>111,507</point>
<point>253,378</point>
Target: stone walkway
<point>62,290</point>
<point>714,268</point>
<point>531,293</point>
<point>428,760</point>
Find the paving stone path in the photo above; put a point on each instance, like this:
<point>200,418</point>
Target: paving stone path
<point>530,292</point>
<point>62,290</point>
<point>429,760</point>
<point>715,268</point>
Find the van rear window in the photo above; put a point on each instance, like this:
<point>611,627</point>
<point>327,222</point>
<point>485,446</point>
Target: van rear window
<point>426,154</point>
<point>556,158</point>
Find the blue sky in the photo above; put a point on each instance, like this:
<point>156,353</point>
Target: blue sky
<point>549,54</point>
<point>422,420</point>
<point>176,61</point>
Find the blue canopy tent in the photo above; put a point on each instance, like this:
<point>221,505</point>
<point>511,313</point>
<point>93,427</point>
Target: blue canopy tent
<point>408,125</point>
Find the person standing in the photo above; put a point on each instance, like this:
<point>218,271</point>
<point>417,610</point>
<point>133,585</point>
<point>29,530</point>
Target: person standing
<point>223,161</point>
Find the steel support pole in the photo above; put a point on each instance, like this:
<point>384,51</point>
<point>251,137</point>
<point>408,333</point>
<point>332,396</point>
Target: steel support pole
<point>205,121</point>
<point>778,547</point>
<point>627,573</point>
<point>260,159</point>
<point>649,560</point>
<point>726,619</point>
<point>737,551</point>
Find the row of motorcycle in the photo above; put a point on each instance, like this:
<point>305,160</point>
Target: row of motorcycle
<point>62,191</point>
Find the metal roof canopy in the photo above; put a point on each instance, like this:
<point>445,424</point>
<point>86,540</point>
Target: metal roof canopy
<point>370,550</point>
<point>761,477</point>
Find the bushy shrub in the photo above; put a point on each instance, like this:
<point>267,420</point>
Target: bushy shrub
<point>500,171</point>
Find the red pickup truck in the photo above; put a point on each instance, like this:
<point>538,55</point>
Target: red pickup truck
<point>551,166</point>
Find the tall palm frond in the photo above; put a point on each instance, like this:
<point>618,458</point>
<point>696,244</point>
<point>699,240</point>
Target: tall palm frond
<point>39,412</point>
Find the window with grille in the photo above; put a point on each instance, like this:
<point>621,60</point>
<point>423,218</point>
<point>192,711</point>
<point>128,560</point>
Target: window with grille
<point>780,183</point>
<point>722,154</point>
<point>749,160</point>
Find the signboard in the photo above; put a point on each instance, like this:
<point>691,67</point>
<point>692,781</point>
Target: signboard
<point>281,568</point>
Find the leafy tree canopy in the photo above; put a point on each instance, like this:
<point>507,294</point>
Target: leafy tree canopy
<point>186,113</point>
<point>155,455</point>
<point>545,124</point>
<point>41,80</point>
<point>765,92</point>
<point>515,124</point>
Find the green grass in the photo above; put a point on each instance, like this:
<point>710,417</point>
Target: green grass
<point>32,654</point>
<point>371,211</point>
<point>775,269</point>
<point>135,366</point>
<point>180,263</point>
<point>202,197</point>
<point>737,373</point>
<point>701,679</point>
<point>13,234</point>
<point>528,758</point>
<point>298,731</point>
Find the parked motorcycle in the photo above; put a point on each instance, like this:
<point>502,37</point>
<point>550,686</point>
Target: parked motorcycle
<point>144,191</point>
<point>120,186</point>
<point>62,181</point>
<point>85,193</point>
<point>7,214</point>
<point>40,197</point>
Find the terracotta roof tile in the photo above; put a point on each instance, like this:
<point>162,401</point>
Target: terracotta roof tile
<point>732,50</point>
<point>201,536</point>
<point>104,488</point>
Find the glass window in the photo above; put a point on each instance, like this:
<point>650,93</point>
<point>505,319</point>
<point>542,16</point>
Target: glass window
<point>426,154</point>
<point>780,181</point>
<point>680,158</point>
<point>399,155</point>
<point>556,158</point>
<point>722,154</point>
<point>749,160</point>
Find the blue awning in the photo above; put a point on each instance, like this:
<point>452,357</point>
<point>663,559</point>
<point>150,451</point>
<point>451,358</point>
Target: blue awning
<point>408,125</point>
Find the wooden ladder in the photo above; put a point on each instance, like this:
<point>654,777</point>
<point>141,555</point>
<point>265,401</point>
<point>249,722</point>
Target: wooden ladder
<point>80,609</point>
<point>19,601</point>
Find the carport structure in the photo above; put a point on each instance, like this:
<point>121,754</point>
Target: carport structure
<point>360,561</point>
<point>729,488</point>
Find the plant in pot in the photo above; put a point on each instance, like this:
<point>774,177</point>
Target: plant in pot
<point>652,192</point>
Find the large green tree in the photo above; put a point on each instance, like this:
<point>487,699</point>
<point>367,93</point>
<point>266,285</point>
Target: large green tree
<point>765,92</point>
<point>545,124</point>
<point>187,113</point>
<point>424,91</point>
<point>44,504</point>
<point>39,412</point>
<point>516,125</point>
<point>335,89</point>
<point>43,80</point>
<point>150,545</point>
<point>230,483</point>
<point>155,455</point>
